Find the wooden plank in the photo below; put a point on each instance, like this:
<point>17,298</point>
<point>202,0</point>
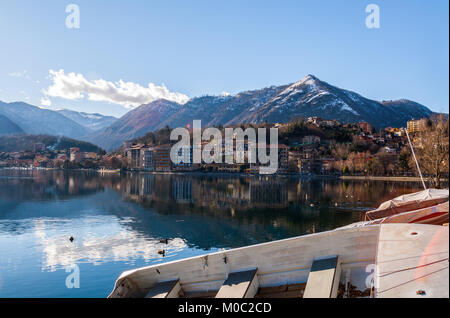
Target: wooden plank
<point>283,291</point>
<point>168,289</point>
<point>285,294</point>
<point>205,294</point>
<point>323,279</point>
<point>242,284</point>
<point>278,262</point>
<point>272,289</point>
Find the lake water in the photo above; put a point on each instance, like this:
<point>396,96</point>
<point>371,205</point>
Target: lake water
<point>118,220</point>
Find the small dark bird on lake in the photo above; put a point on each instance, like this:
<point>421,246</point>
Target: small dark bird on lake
<point>161,252</point>
<point>71,238</point>
<point>165,241</point>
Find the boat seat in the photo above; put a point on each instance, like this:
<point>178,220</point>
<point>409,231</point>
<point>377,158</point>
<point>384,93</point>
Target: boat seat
<point>240,285</point>
<point>168,289</point>
<point>323,279</point>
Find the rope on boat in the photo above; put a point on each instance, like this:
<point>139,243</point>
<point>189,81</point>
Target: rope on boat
<point>415,159</point>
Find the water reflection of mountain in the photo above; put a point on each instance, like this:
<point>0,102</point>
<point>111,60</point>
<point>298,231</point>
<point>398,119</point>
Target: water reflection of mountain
<point>262,208</point>
<point>205,211</point>
<point>34,185</point>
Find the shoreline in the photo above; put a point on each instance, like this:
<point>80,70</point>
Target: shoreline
<point>385,178</point>
<point>241,174</point>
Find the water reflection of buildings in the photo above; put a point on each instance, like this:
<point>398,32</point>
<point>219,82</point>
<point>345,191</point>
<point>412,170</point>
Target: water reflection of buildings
<point>206,211</point>
<point>219,193</point>
<point>268,193</point>
<point>182,190</point>
<point>49,185</point>
<point>203,192</point>
<point>241,194</point>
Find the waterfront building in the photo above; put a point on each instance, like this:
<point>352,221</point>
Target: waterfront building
<point>126,145</point>
<point>134,156</point>
<point>327,165</point>
<point>283,159</point>
<point>147,159</point>
<point>225,167</point>
<point>416,125</point>
<point>76,155</point>
<point>307,162</point>
<point>184,160</point>
<point>294,161</point>
<point>162,158</point>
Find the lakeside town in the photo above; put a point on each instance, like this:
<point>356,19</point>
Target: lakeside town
<point>210,152</point>
<point>312,146</point>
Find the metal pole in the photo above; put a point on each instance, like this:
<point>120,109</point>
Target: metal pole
<point>415,159</point>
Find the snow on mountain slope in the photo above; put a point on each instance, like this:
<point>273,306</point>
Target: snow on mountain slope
<point>35,120</point>
<point>305,98</point>
<point>93,122</point>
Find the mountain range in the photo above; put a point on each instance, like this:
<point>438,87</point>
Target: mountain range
<point>305,98</point>
<point>93,122</point>
<point>22,118</point>
<point>7,127</point>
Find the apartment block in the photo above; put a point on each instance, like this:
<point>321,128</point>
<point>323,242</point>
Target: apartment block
<point>416,125</point>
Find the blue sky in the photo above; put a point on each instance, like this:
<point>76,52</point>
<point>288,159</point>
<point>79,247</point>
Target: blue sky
<point>210,47</point>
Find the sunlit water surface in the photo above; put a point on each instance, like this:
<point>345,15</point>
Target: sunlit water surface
<point>118,220</point>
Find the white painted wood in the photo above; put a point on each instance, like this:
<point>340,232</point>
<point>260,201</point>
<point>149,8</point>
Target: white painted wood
<point>125,289</point>
<point>291,259</point>
<point>412,261</point>
<point>242,284</point>
<point>168,289</point>
<point>323,279</point>
<point>409,258</point>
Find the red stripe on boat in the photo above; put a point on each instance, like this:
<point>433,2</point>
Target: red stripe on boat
<point>430,216</point>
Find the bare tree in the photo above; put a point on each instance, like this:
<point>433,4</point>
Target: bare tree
<point>404,159</point>
<point>432,146</point>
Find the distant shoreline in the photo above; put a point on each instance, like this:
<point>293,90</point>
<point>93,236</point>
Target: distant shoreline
<point>242,174</point>
<point>385,178</point>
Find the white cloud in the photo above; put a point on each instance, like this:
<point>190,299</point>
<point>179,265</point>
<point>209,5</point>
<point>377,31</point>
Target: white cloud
<point>119,245</point>
<point>75,86</point>
<point>23,74</point>
<point>46,101</point>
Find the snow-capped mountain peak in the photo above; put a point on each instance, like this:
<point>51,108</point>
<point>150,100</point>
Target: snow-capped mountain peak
<point>308,97</point>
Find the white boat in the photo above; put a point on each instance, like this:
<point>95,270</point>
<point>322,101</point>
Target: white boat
<point>379,260</point>
<point>430,206</point>
<point>423,202</point>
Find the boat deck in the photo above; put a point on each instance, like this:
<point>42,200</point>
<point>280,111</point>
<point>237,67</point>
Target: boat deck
<point>412,261</point>
<point>383,260</point>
